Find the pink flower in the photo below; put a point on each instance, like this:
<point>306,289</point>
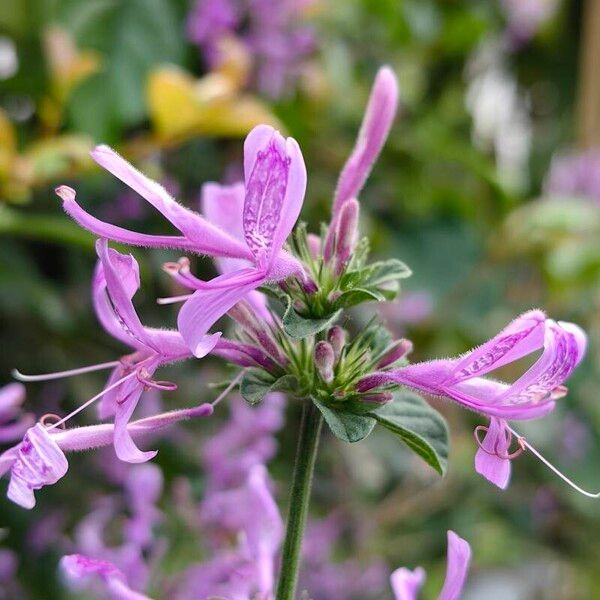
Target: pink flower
<point>531,396</point>
<point>406,583</point>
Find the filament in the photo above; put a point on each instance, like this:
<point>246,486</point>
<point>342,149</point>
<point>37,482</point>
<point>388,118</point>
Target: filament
<point>173,299</point>
<point>61,374</point>
<point>554,469</point>
<point>226,391</point>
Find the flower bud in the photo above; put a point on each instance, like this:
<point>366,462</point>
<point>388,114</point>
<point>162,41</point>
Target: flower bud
<point>372,381</point>
<point>324,360</point>
<point>337,338</point>
<point>314,245</point>
<point>378,397</point>
<point>400,349</point>
<point>346,234</point>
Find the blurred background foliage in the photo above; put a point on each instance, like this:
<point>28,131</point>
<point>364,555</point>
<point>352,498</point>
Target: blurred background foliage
<point>460,193</point>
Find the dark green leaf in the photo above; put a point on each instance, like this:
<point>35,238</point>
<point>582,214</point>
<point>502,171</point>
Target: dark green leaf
<point>382,274</point>
<point>256,384</point>
<point>346,426</point>
<point>419,426</point>
<point>358,296</point>
<point>298,327</point>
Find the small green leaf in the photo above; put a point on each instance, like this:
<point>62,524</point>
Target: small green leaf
<point>346,426</point>
<point>419,426</point>
<point>358,296</point>
<point>380,275</point>
<point>256,384</point>
<point>299,327</point>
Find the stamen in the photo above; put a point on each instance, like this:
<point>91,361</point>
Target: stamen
<point>92,400</point>
<point>44,420</point>
<point>226,391</point>
<point>497,452</point>
<point>60,374</point>
<point>173,299</point>
<point>144,378</point>
<point>555,470</point>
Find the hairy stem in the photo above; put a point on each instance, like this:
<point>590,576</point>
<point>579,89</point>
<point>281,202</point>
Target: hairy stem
<point>306,454</point>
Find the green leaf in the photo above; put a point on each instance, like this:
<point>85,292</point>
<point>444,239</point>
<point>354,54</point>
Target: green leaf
<point>419,426</point>
<point>299,327</point>
<point>346,426</point>
<point>377,275</point>
<point>256,384</point>
<point>358,296</point>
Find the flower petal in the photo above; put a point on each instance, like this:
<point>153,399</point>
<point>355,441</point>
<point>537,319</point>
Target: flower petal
<point>521,337</point>
<point>114,232</point>
<point>206,237</point>
<point>39,462</point>
<point>208,305</point>
<point>12,397</point>
<point>459,557</point>
<point>275,177</point>
<point>487,462</point>
<point>79,568</point>
<point>406,583</point>
<point>374,130</point>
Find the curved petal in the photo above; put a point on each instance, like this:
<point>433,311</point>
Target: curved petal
<point>207,238</point>
<point>223,206</point>
<point>374,130</point>
<point>12,397</point>
<point>125,447</point>
<point>494,468</point>
<point>122,281</point>
<point>208,305</point>
<point>275,177</point>
<point>114,232</point>
<point>521,337</point>
<point>459,557</point>
<point>406,583</point>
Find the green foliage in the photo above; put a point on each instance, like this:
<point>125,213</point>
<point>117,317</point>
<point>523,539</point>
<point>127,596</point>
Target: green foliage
<point>256,384</point>
<point>346,426</point>
<point>298,327</point>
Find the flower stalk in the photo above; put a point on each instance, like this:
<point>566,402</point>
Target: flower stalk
<point>306,455</point>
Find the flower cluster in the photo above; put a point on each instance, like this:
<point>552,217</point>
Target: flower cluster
<point>292,345</point>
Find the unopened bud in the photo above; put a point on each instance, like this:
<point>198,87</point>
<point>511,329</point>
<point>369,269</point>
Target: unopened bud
<point>314,245</point>
<point>346,234</point>
<point>244,316</point>
<point>372,381</point>
<point>324,360</point>
<point>337,338</point>
<point>378,397</point>
<point>400,349</point>
<point>309,286</point>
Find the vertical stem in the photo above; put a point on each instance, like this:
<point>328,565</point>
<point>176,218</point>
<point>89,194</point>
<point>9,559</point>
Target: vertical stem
<point>306,454</point>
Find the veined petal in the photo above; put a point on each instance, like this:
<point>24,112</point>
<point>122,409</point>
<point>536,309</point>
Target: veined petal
<point>459,557</point>
<point>275,177</point>
<point>521,337</point>
<point>406,583</point>
<point>114,232</point>
<point>490,459</point>
<point>376,125</point>
<point>208,305</point>
<point>122,280</point>
<point>206,237</point>
<point>564,348</point>
<point>79,568</point>
<point>38,462</point>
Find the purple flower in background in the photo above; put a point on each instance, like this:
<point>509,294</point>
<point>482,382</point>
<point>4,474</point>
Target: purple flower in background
<point>406,583</point>
<point>575,175</point>
<point>525,18</point>
<point>81,570</point>
<point>532,395</point>
<point>39,459</point>
<point>13,424</point>
<point>272,31</point>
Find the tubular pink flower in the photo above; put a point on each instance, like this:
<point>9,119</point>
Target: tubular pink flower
<point>374,130</point>
<point>275,182</point>
<point>79,569</point>
<point>406,583</point>
<point>39,459</point>
<point>531,396</point>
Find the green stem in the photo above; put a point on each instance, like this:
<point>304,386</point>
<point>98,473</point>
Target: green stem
<point>306,454</point>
